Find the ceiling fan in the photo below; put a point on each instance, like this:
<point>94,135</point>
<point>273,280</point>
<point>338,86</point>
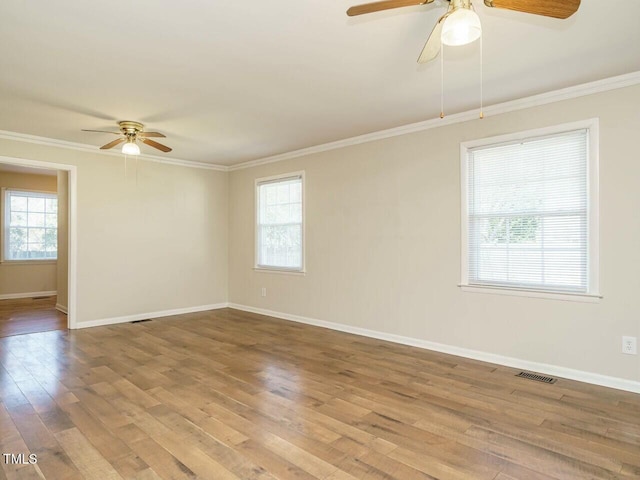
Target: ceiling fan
<point>131,132</point>
<point>460,24</point>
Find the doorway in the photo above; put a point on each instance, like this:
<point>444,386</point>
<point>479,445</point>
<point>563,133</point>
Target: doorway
<point>38,246</point>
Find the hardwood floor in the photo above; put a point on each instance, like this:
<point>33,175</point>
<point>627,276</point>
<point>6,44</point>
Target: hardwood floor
<point>30,315</point>
<point>232,395</point>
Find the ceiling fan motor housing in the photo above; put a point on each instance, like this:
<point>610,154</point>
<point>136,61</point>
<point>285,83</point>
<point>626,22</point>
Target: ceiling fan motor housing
<point>130,128</point>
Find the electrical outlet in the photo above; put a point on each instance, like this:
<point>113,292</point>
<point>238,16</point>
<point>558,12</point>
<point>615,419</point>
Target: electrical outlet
<point>264,291</point>
<point>629,345</point>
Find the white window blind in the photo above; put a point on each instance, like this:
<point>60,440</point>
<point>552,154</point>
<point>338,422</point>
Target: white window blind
<point>528,214</point>
<point>279,223</point>
<point>30,225</point>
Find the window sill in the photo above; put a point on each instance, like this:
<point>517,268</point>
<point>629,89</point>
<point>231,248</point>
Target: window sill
<point>29,262</point>
<point>279,271</point>
<point>564,296</point>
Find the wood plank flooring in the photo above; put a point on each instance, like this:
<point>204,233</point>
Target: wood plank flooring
<point>231,395</point>
<point>30,315</point>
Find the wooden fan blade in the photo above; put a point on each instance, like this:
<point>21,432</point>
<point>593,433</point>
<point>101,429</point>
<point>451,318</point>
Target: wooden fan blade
<point>548,8</point>
<point>112,144</point>
<point>152,134</point>
<point>102,131</point>
<point>386,5</point>
<point>434,43</point>
<point>157,145</point>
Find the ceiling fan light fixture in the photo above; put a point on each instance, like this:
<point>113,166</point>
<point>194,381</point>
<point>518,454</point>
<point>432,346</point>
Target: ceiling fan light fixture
<point>461,27</point>
<point>131,148</point>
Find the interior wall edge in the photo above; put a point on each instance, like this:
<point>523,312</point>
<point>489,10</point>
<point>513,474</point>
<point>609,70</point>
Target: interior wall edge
<point>548,369</point>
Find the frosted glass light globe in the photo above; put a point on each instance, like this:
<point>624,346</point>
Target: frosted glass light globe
<point>461,27</point>
<point>131,148</point>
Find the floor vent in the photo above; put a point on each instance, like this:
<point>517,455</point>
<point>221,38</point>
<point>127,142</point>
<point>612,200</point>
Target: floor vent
<point>536,377</point>
<point>140,321</point>
<point>39,298</point>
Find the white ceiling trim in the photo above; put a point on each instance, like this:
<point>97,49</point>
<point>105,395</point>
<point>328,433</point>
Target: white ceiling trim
<point>590,88</point>
<point>51,142</point>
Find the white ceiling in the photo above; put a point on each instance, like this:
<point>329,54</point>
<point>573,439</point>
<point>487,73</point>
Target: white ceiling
<point>230,81</point>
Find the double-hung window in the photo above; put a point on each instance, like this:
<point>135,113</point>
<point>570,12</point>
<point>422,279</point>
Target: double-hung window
<point>530,212</point>
<point>30,225</point>
<point>279,223</point>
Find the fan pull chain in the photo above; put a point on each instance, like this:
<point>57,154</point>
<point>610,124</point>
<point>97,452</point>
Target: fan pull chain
<point>442,82</point>
<point>481,81</point>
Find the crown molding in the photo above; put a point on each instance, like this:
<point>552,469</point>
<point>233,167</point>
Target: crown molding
<point>590,88</point>
<point>598,86</point>
<point>51,142</point>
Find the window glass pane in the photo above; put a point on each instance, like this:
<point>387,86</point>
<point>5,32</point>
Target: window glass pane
<point>32,224</point>
<point>36,250</point>
<point>296,192</point>
<point>491,263</point>
<point>270,195</point>
<point>527,213</point>
<point>36,235</point>
<point>18,204</point>
<point>19,219</point>
<point>295,212</point>
<point>36,204</point>
<point>283,213</point>
<point>282,194</point>
<point>51,205</point>
<point>281,245</point>
<point>18,239</point>
<point>51,220</point>
<point>51,237</point>
<point>35,219</point>
<point>558,269</point>
<point>280,223</point>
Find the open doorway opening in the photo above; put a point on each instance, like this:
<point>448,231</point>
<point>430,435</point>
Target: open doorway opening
<point>35,259</point>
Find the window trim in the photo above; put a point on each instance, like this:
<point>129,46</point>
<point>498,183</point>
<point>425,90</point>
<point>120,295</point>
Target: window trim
<point>4,237</point>
<point>593,214</point>
<point>274,179</point>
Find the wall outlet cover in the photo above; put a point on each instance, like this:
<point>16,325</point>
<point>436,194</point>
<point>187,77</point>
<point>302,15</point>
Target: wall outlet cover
<point>630,345</point>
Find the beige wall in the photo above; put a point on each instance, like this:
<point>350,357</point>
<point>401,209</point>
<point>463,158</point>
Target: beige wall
<point>383,244</point>
<point>383,241</point>
<point>63,240</point>
<point>146,242</point>
<point>20,277</point>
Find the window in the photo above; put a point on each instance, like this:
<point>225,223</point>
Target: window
<point>530,211</point>
<point>279,230</point>
<point>30,225</point>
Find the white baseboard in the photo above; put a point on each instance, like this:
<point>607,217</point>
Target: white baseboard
<point>62,309</point>
<point>556,371</point>
<point>11,296</point>
<point>143,316</point>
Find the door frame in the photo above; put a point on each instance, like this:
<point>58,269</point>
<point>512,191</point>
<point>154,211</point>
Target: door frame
<point>72,254</point>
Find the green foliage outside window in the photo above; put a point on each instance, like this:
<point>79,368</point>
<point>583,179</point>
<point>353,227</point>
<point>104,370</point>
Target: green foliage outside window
<point>512,229</point>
